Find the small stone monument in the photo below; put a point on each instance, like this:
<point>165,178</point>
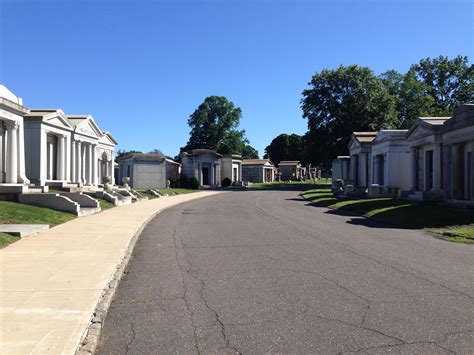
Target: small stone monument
<point>106,181</point>
<point>125,181</point>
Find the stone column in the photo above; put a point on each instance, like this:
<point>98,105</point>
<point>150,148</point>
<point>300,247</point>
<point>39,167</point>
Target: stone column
<point>89,164</point>
<point>61,157</point>
<point>79,162</point>
<point>12,154</point>
<point>413,169</point>
<point>67,159</point>
<point>73,161</point>
<point>112,170</point>
<point>95,173</point>
<point>437,167</point>
<point>21,156</point>
<point>376,169</point>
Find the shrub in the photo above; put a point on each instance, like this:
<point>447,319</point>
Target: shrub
<point>193,183</point>
<point>226,182</point>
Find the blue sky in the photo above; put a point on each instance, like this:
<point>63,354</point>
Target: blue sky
<point>142,67</point>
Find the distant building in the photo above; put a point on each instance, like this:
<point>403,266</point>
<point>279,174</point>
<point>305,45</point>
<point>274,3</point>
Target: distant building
<point>290,170</point>
<point>231,165</point>
<point>258,170</point>
<point>390,159</point>
<point>340,169</point>
<point>148,171</point>
<point>204,165</point>
<point>360,165</point>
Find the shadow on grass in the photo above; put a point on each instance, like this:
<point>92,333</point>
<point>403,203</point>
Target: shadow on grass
<point>391,212</point>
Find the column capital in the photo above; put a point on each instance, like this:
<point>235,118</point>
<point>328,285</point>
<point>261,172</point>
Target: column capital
<point>12,124</point>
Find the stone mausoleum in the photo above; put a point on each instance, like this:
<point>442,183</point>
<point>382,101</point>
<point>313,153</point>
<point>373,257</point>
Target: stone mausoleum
<point>12,155</point>
<point>458,155</point>
<point>202,164</point>
<point>148,171</point>
<point>258,170</point>
<point>390,156</point>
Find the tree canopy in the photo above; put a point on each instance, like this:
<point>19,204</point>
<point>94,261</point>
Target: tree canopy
<point>284,147</point>
<point>214,125</point>
<point>432,87</point>
<point>341,101</point>
<point>249,152</point>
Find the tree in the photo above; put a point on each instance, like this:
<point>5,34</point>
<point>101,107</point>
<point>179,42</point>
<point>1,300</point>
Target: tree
<point>156,151</point>
<point>339,102</point>
<point>249,152</point>
<point>214,126</point>
<point>411,96</point>
<point>449,82</point>
<point>285,147</point>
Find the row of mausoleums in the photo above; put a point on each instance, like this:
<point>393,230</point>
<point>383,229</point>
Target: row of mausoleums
<point>433,160</point>
<point>46,147</point>
<point>207,167</point>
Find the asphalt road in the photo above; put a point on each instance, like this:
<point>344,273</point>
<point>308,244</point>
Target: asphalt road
<point>255,272</point>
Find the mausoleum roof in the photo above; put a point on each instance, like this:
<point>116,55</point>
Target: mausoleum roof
<point>390,134</point>
<point>202,152</point>
<point>256,162</point>
<point>144,156</point>
<point>11,101</point>
<point>289,162</point>
<point>53,116</point>
<point>463,116</point>
<point>364,137</point>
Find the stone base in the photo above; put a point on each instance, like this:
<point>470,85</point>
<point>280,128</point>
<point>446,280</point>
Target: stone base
<point>13,189</point>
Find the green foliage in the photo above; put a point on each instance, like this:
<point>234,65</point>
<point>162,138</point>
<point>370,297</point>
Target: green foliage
<point>450,82</point>
<point>192,183</point>
<point>249,152</point>
<point>285,147</point>
<point>214,125</point>
<point>122,153</point>
<point>433,87</point>
<point>340,102</point>
<point>226,182</point>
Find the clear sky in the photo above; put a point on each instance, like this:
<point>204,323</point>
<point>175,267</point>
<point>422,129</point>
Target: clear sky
<point>141,67</point>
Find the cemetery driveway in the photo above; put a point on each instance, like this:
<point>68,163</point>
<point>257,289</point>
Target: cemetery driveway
<point>261,271</point>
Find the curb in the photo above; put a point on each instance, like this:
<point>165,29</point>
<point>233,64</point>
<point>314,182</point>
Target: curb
<point>91,336</point>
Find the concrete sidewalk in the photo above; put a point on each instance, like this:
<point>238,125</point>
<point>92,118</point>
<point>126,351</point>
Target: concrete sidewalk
<point>50,283</point>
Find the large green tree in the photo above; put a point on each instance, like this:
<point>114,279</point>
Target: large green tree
<point>449,82</point>
<point>214,125</point>
<point>432,87</point>
<point>285,147</point>
<point>249,152</point>
<point>339,102</point>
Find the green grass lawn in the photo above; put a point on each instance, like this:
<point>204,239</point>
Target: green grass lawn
<point>280,184</point>
<point>400,213</point>
<point>178,190</point>
<point>104,205</point>
<point>16,213</point>
<point>150,196</point>
<point>6,239</point>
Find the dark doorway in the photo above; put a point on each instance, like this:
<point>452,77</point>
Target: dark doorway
<point>469,176</point>
<point>205,175</point>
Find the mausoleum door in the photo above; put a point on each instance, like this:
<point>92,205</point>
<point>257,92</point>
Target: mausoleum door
<point>419,180</point>
<point>205,175</point>
<point>468,193</point>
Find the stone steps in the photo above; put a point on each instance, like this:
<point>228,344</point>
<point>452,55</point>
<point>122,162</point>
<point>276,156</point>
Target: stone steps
<point>76,203</point>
